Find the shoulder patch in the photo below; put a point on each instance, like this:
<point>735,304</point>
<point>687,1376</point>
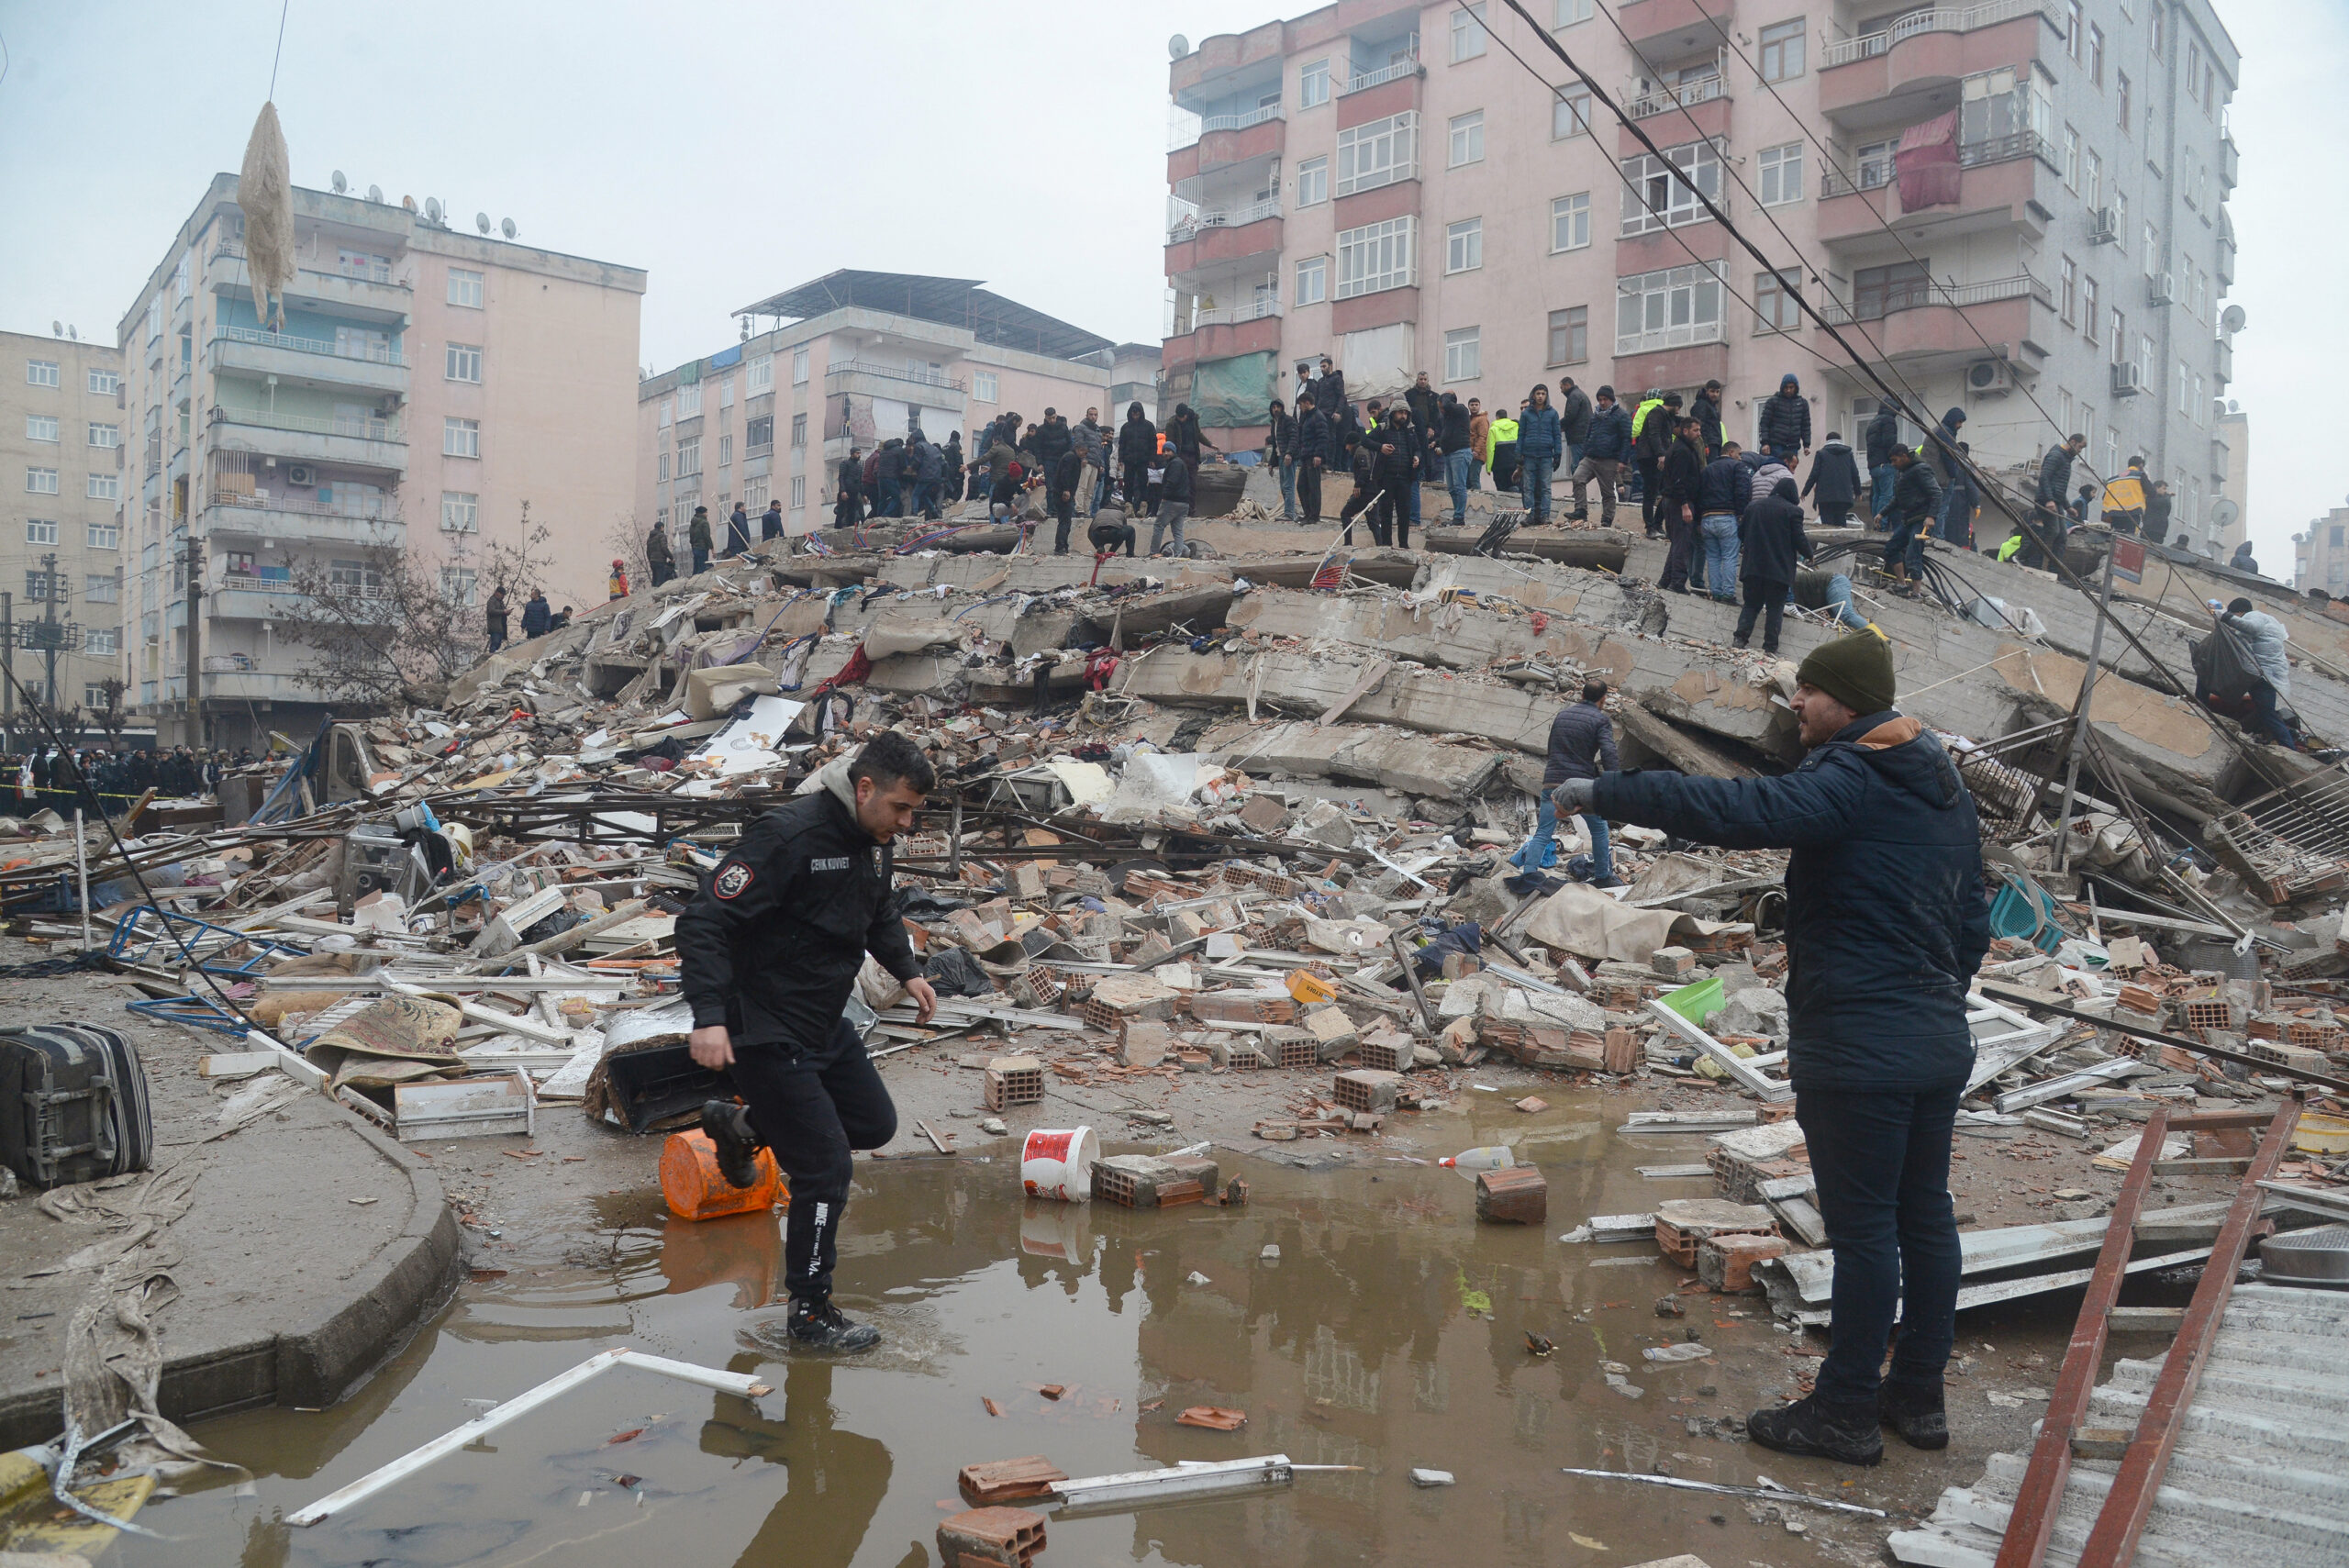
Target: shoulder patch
<point>732,879</point>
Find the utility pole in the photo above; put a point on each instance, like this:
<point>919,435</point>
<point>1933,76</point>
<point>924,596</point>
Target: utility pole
<point>9,667</point>
<point>195,641</point>
<point>2087,686</point>
<point>48,634</point>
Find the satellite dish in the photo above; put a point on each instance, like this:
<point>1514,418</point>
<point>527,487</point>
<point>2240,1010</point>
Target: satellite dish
<point>1177,47</point>
<point>340,185</point>
<point>432,208</point>
<point>375,194</point>
<point>2224,511</point>
<point>57,328</point>
<point>507,229</point>
<point>2233,407</point>
<point>2231,321</point>
<point>480,221</point>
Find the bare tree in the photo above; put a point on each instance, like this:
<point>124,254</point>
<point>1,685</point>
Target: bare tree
<point>113,718</point>
<point>626,541</point>
<point>385,629</point>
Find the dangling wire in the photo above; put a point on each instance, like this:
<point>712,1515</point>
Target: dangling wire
<point>281,48</point>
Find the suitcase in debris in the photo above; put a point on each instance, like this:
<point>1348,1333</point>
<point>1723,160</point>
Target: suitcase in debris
<point>73,1104</point>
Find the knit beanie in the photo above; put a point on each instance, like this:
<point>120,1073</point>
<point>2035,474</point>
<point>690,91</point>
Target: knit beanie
<point>1857,671</point>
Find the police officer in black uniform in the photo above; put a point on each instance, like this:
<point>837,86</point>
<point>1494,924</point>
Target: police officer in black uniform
<point>771,947</point>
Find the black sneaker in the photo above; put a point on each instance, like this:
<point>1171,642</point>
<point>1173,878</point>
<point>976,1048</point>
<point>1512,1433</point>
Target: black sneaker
<point>817,1324</point>
<point>1916,1412</point>
<point>1843,1432</point>
<point>728,1126</point>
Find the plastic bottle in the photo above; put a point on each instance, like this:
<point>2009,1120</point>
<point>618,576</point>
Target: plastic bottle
<point>1491,1157</point>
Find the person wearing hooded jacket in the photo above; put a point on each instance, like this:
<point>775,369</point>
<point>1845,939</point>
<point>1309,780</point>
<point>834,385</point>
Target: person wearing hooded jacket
<point>1770,540</point>
<point>1679,480</point>
<point>1314,448</point>
<point>1604,452</point>
<point>1834,482</point>
<point>1885,925</point>
<point>1916,505</point>
<point>1882,435</point>
<point>1452,443</point>
<point>1708,412</point>
<point>1784,428</point>
<point>1943,449</point>
<point>1574,421</point>
<point>1540,444</point>
<point>1137,449</point>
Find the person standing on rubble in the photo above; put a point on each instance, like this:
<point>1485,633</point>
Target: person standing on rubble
<point>1706,410</point>
<point>1603,455</point>
<point>1573,423</point>
<point>1541,442</point>
<point>848,492</point>
<point>1314,445</point>
<point>1654,428</point>
<point>1362,467</point>
<point>1174,486</point>
<point>771,521</point>
<point>616,586</point>
<point>1916,501</point>
<point>1280,450</point>
<point>769,951</point>
<point>1678,487</point>
<point>737,531</point>
<point>493,617</point>
<point>1834,482</point>
<point>696,537</point>
<point>659,558</point>
<point>538,617</point>
<point>1582,746</point>
<point>1480,433</point>
<point>1886,923</point>
<point>1770,540</point>
<point>1068,472</point>
<point>1395,471</point>
<point>1454,443</point>
<point>1137,447</point>
<point>1882,435</point>
<point>1783,427</point>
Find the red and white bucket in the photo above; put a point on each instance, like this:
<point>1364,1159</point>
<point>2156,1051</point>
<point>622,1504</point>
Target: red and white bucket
<point>1058,1164</point>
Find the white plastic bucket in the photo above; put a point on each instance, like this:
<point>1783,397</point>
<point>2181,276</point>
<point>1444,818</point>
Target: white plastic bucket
<point>1049,1230</point>
<point>1057,1162</point>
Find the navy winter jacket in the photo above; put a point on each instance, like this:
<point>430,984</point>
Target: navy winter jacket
<point>1726,485</point>
<point>1885,919</point>
<point>2055,476</point>
<point>1582,745</point>
<point>1883,434</point>
<point>1916,495</point>
<point>1538,435</point>
<point>1574,416</point>
<point>1835,477</point>
<point>1313,439</point>
<point>1770,538</point>
<point>1784,422</point>
<point>1610,434</point>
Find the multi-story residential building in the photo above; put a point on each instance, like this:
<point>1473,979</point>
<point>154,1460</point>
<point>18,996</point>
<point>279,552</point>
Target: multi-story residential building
<point>2234,487</point>
<point>859,357</point>
<point>62,463</point>
<point>2321,555</point>
<point>1385,183</point>
<point>425,384</point>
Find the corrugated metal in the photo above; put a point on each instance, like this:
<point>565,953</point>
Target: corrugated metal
<point>2261,1473</point>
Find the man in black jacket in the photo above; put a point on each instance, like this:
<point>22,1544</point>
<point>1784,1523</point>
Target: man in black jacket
<point>1783,428</point>
<point>1916,502</point>
<point>769,949</point>
<point>1886,926</point>
<point>1677,481</point>
<point>1650,443</point>
<point>1330,392</point>
<point>1362,467</point>
<point>1313,448</point>
<point>1573,422</point>
<point>1137,451</point>
<point>848,497</point>
<point>1451,443</point>
<point>1174,486</point>
<point>1882,435</point>
<point>1582,746</point>
<point>1396,468</point>
<point>1707,410</point>
<point>1067,470</point>
<point>737,531</point>
<point>1834,480</point>
<point>1770,540</point>
<point>1280,450</point>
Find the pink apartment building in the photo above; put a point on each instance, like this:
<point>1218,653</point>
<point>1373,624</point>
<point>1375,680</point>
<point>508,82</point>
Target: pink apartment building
<point>1385,183</point>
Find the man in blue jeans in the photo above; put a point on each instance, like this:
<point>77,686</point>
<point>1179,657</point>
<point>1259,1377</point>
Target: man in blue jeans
<point>1582,745</point>
<point>1885,925</point>
<point>1541,441</point>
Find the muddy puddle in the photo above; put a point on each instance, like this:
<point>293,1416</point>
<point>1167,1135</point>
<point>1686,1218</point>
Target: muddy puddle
<point>1390,1333</point>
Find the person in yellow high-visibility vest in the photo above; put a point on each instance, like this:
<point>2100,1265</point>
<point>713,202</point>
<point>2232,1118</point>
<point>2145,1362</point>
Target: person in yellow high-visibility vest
<point>2123,504</point>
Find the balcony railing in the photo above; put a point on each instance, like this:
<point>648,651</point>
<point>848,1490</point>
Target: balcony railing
<point>1665,100</point>
<point>1224,316</point>
<point>1222,218</point>
<point>365,430</point>
<point>1914,294</point>
<point>1394,73</point>
<point>1686,335</point>
<point>365,273</point>
<point>758,450</point>
<point>1940,19</point>
<point>373,353</point>
<point>1877,173</point>
<point>1239,122</point>
<point>376,508</point>
<point>893,373</point>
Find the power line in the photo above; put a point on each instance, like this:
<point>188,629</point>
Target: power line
<point>281,9</point>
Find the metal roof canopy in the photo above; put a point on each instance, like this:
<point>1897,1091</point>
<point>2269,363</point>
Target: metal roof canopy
<point>953,302</point>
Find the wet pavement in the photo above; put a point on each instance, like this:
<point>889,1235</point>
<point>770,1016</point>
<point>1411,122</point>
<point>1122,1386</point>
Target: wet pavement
<point>1390,1333</point>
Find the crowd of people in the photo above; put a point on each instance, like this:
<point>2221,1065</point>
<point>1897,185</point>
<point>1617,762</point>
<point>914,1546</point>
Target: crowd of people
<point>116,776</point>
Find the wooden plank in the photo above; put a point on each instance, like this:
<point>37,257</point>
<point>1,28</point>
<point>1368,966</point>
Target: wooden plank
<point>2121,1523</point>
<point>1372,673</point>
<point>2036,1500</point>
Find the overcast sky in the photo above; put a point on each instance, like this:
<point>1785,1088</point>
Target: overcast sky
<point>733,150</point>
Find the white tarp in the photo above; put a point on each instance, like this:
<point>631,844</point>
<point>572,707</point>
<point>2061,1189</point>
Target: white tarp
<point>752,741</point>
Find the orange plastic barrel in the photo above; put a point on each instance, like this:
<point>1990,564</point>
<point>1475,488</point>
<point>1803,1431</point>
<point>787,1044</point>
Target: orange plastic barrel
<point>696,1189</point>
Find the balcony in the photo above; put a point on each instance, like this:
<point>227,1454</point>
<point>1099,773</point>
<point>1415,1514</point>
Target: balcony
<point>1224,332</point>
<point>1912,70</point>
<point>222,677</point>
<point>899,382</point>
<point>1409,66</point>
<point>1696,111</point>
<point>372,294</point>
<point>291,520</point>
<point>360,443</point>
<point>244,596</point>
<point>1935,326</point>
<point>2220,459</point>
<point>1682,336</point>
<point>1189,226</point>
<point>1663,29</point>
<point>2229,162</point>
<point>317,362</point>
<point>1671,100</point>
<point>2225,361</point>
<point>2003,185</point>
<point>1252,245</point>
<point>1213,122</point>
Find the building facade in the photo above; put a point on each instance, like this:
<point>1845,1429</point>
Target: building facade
<point>60,544</point>
<point>2321,555</point>
<point>2228,526</point>
<point>1385,183</point>
<point>425,385</point>
<point>856,359</point>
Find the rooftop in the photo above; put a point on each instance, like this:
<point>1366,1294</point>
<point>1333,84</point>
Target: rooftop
<point>951,302</point>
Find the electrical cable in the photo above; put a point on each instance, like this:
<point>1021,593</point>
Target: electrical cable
<point>280,55</point>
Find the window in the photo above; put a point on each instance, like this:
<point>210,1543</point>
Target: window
<point>2184,389</point>
<point>761,374</point>
<point>2153,247</point>
<point>1667,309</point>
<point>798,491</point>
<point>40,531</point>
<point>2153,37</point>
<point>40,426</point>
<point>689,401</point>
<point>2068,294</point>
<point>2120,98</point>
<point>2202,400</point>
<point>2096,54</point>
<point>668,412</point>
<point>1467,31</point>
<point>106,384</point>
<point>1313,83</point>
<point>1462,357</point>
<point>103,640</point>
<point>36,585</point>
<point>1782,50</point>
<point>2144,359</point>
<point>1570,222</point>
<point>41,481</point>
<point>1877,292</point>
<point>2120,336</point>
<point>1872,168</point>
<point>2087,308</point>
<point>1468,138</point>
<point>1661,192</point>
<point>463,362</point>
<point>1570,335</point>
<point>983,385</point>
<point>1774,299</point>
<point>798,430</point>
<point>688,456</point>
<point>2071,159</point>
<point>726,449</point>
<point>1313,182</point>
<point>1568,12</point>
<point>105,536</point>
<point>459,511</point>
<point>1378,153</point>
<point>664,468</point>
<point>100,588</point>
<point>1570,114</point>
<point>40,372</point>
<point>2072,23</point>
<point>103,487</point>
<point>1781,174</point>
<point>726,393</point>
<point>1464,245</point>
<point>464,288</point>
<point>759,433</point>
<point>2095,192</point>
<point>1375,256</point>
<point>105,437</point>
<point>460,437</point>
<point>799,367</point>
<point>2187,185</point>
<point>457,585</point>
<point>1313,279</point>
<point>2063,409</point>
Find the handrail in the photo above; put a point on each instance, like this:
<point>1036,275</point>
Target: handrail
<point>1915,294</point>
<point>1685,95</point>
<point>1394,73</point>
<point>234,250</point>
<point>362,429</point>
<point>1240,122</point>
<point>895,373</point>
<point>1222,218</point>
<point>384,512</point>
<point>1940,19</point>
<point>327,346</point>
<point>1688,336</point>
<point>1224,316</point>
<point>1970,155</point>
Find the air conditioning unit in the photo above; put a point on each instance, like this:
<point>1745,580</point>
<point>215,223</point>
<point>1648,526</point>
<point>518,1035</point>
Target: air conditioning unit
<point>1990,376</point>
<point>2104,226</point>
<point>300,474</point>
<point>2157,290</point>
<point>2124,380</point>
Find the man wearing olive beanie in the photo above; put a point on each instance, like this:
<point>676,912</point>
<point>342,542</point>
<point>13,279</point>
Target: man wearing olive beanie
<point>1885,925</point>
